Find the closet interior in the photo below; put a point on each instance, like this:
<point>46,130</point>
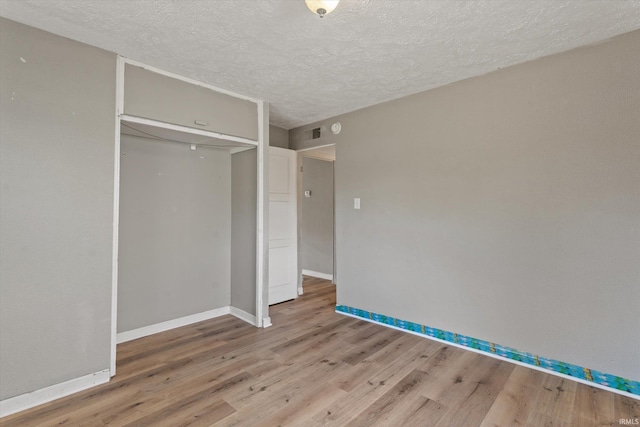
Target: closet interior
<point>188,204</point>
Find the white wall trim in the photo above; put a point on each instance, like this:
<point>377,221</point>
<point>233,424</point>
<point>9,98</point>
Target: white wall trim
<point>314,153</point>
<point>25,401</point>
<point>321,157</point>
<point>495,356</point>
<point>317,274</point>
<point>116,213</point>
<point>243,315</point>
<point>172,324</point>
<point>302,150</point>
<point>187,79</point>
<point>262,216</point>
<point>266,322</point>
<point>300,290</point>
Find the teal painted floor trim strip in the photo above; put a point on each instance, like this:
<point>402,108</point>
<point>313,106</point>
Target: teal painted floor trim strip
<point>591,375</point>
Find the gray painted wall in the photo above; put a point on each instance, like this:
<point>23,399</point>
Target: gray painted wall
<point>505,207</point>
<point>278,137</point>
<point>316,222</point>
<point>170,100</point>
<point>244,187</point>
<point>175,231</point>
<point>57,136</point>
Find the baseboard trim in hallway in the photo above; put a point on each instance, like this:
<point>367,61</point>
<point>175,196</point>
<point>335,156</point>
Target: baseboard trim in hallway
<point>317,274</point>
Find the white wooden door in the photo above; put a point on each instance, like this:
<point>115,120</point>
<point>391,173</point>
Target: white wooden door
<point>283,238</point>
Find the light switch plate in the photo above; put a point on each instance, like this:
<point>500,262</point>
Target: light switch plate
<point>356,203</point>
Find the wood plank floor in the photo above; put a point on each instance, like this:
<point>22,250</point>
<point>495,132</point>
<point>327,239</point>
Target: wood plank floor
<point>318,368</point>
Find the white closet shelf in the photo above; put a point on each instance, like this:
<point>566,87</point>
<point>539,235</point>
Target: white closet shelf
<point>139,126</point>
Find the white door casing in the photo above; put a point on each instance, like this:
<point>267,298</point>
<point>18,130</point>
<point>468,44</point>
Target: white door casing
<point>283,239</point>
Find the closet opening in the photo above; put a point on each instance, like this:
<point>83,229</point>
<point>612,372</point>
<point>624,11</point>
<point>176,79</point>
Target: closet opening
<point>189,211</point>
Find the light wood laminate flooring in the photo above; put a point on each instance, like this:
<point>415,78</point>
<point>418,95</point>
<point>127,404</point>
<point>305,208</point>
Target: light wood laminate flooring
<point>318,368</point>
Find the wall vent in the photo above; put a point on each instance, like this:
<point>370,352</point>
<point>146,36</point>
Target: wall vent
<point>312,134</point>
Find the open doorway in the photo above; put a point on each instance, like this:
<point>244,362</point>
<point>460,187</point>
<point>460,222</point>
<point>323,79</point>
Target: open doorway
<point>316,213</point>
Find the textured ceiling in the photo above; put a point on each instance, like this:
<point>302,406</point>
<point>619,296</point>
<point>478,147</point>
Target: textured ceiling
<point>365,52</point>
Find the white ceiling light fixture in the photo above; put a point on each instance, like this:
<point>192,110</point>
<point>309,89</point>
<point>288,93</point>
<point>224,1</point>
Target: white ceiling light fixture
<point>321,7</point>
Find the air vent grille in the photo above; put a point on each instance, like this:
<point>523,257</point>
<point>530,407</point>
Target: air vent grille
<point>312,134</point>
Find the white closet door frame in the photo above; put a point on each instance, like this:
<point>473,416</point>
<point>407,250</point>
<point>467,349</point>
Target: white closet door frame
<point>262,239</point>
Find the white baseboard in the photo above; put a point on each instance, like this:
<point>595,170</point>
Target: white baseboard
<point>38,397</point>
<point>171,324</point>
<point>496,356</point>
<point>300,290</point>
<point>317,274</point>
<point>243,315</point>
<point>266,322</point>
